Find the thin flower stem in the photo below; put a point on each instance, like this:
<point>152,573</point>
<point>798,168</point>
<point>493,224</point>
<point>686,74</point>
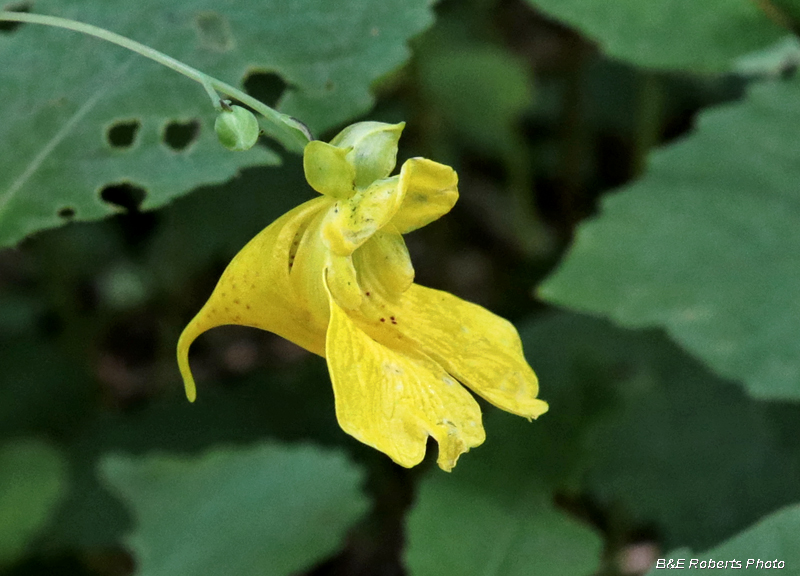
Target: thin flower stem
<point>287,128</point>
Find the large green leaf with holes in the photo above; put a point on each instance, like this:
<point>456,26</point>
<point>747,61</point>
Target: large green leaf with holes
<point>707,244</point>
<point>65,98</point>
<point>705,36</point>
<point>262,510</point>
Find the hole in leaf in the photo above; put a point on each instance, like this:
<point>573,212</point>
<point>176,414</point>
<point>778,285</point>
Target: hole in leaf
<point>67,212</point>
<point>124,195</point>
<point>214,32</point>
<point>7,27</point>
<point>265,86</point>
<point>123,134</point>
<point>179,135</point>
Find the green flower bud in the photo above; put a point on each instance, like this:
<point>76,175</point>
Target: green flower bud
<point>237,128</point>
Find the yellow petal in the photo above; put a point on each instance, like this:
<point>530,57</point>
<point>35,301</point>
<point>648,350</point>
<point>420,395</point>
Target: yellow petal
<point>384,259</point>
<point>393,399</point>
<point>430,191</point>
<point>327,170</point>
<point>342,281</point>
<point>353,221</point>
<point>480,349</point>
<point>312,258</point>
<point>255,291</point>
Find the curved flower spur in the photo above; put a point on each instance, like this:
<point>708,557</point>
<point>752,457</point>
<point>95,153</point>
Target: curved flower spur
<point>334,276</point>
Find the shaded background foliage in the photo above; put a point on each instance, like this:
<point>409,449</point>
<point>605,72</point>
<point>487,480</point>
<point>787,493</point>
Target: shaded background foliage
<point>673,383</point>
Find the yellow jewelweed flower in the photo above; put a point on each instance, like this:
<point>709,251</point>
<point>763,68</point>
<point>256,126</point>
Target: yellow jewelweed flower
<point>334,276</point>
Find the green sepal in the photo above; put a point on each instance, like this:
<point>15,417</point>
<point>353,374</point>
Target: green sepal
<point>373,149</point>
<point>327,169</point>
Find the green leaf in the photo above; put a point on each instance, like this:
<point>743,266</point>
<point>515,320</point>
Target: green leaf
<point>774,61</point>
<point>492,515</point>
<point>692,455</point>
<point>66,97</point>
<point>652,435</point>
<point>773,538</point>
<point>32,480</point>
<point>237,511</point>
<point>706,244</point>
<point>293,404</point>
<point>462,531</point>
<point>703,36</point>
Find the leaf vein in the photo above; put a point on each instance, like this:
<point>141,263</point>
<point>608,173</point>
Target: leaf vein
<point>58,137</point>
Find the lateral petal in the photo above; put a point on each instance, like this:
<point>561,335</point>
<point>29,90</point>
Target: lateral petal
<point>342,281</point>
<point>482,350</point>
<point>255,291</point>
<point>312,258</point>
<point>384,259</point>
<point>429,191</point>
<point>393,399</point>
